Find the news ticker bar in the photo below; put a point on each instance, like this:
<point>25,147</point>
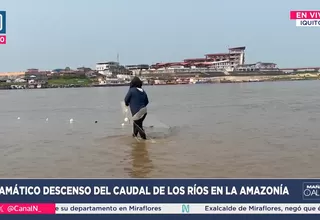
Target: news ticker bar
<point>161,208</point>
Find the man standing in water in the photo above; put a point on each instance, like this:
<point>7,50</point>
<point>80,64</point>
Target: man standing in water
<point>137,99</point>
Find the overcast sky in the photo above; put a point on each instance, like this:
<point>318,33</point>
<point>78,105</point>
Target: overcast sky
<point>58,33</point>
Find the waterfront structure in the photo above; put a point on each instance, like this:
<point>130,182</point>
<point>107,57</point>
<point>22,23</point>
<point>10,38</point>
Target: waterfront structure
<point>301,69</point>
<point>35,74</point>
<point>184,72</point>
<point>138,69</point>
<point>110,69</point>
<point>216,64</point>
<point>106,68</point>
<point>36,78</point>
<point>261,66</point>
<point>211,65</point>
<point>84,69</point>
<point>93,74</point>
<point>80,72</point>
<point>218,61</point>
<point>111,82</point>
<point>221,61</point>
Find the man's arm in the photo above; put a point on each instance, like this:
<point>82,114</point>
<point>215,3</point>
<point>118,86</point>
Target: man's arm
<point>146,102</point>
<point>127,98</point>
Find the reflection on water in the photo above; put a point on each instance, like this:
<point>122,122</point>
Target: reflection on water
<point>229,130</point>
<point>141,162</point>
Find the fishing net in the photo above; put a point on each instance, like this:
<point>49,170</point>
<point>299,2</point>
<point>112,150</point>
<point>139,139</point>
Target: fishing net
<point>153,126</point>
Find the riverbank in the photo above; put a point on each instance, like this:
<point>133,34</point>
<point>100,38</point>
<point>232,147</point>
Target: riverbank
<point>242,79</point>
<point>86,82</point>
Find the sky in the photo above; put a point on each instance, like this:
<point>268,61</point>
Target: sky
<point>72,33</point>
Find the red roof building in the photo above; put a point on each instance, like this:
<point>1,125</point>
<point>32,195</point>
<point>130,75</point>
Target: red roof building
<point>233,58</point>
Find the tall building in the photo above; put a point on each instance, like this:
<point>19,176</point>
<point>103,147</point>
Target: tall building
<point>111,69</point>
<point>220,61</point>
<point>106,68</point>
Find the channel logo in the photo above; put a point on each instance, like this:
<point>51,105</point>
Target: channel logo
<point>311,191</point>
<point>3,39</point>
<point>306,18</point>
<point>185,208</point>
<point>2,22</point>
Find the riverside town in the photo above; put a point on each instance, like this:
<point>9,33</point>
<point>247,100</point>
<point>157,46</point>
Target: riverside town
<point>227,67</point>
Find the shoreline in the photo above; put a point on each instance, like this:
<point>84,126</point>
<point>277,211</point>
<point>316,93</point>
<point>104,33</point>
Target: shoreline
<point>214,80</point>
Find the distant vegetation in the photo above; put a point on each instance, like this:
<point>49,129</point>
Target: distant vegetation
<point>70,77</point>
<point>68,80</point>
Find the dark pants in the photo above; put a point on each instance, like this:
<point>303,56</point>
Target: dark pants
<point>138,127</point>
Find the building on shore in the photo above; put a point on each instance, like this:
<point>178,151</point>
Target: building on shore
<point>217,61</point>
<point>35,74</point>
<point>214,65</point>
<point>36,78</point>
<point>105,68</point>
<point>259,68</point>
<point>256,66</point>
<point>138,70</point>
<point>231,62</point>
<point>138,67</point>
<point>112,69</point>
<point>80,72</point>
<point>301,70</point>
<point>84,69</point>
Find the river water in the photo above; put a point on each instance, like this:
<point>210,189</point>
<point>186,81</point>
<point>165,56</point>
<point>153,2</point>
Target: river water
<point>220,130</point>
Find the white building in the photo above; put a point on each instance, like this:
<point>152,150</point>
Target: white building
<point>136,70</point>
<point>106,67</point>
<point>257,66</point>
<point>218,61</point>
